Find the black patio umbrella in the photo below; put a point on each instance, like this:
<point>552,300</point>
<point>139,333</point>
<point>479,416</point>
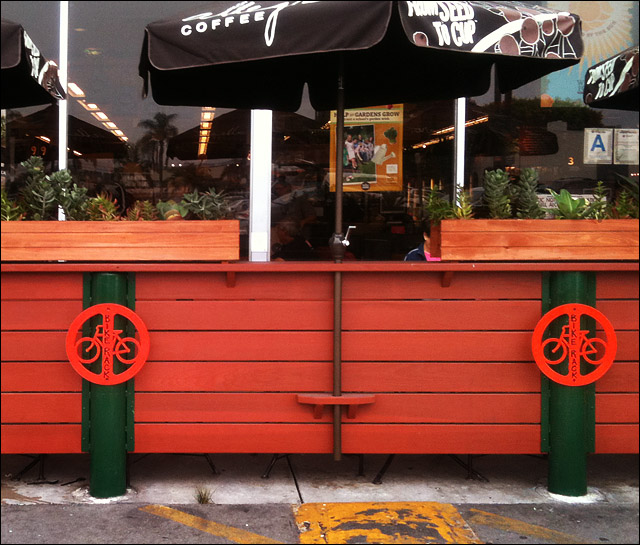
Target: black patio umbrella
<point>229,135</point>
<point>613,82</point>
<point>28,79</point>
<point>351,54</point>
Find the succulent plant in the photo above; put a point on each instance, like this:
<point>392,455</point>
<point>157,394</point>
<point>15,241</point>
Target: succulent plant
<point>103,208</point>
<point>142,211</point>
<point>206,206</point>
<point>527,205</point>
<point>11,210</point>
<point>497,194</point>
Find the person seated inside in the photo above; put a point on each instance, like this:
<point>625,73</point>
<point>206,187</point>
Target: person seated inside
<point>423,252</point>
<point>292,246</point>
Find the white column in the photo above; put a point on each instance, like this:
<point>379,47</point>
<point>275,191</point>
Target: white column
<point>460,128</point>
<point>62,104</point>
<point>260,186</point>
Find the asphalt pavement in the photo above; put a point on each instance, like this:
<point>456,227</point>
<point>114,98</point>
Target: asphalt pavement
<point>313,499</point>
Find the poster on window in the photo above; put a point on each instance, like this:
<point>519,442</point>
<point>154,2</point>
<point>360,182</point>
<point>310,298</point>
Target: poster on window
<point>625,147</point>
<point>598,146</point>
<point>372,149</point>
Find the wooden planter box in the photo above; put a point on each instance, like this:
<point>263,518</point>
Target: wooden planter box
<point>539,240</point>
<point>197,240</point>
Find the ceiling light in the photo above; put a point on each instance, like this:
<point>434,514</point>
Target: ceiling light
<point>90,106</point>
<point>74,90</point>
<point>101,116</point>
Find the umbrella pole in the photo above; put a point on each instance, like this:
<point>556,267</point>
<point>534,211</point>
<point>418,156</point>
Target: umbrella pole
<point>338,250</point>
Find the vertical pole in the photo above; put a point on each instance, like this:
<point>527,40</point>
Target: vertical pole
<point>62,103</point>
<point>338,251</point>
<point>108,446</point>
<point>260,181</point>
<point>458,164</point>
<point>569,405</point>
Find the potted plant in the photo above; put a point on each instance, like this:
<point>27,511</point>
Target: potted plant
<point>96,231</point>
<point>517,230</point>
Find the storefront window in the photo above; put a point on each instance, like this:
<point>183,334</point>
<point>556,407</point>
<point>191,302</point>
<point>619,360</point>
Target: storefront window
<point>133,150</point>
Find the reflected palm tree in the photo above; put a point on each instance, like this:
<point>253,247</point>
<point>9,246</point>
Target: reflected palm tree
<point>159,130</point>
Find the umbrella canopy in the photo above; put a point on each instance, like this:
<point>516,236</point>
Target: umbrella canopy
<point>229,136</point>
<point>613,83</point>
<point>245,55</point>
<point>28,79</point>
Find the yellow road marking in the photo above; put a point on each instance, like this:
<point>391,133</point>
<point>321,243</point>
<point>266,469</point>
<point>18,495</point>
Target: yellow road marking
<point>228,532</point>
<point>382,522</point>
<point>523,528</point>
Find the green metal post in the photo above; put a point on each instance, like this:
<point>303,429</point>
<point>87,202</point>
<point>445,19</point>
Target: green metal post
<point>108,445</point>
<point>570,436</point>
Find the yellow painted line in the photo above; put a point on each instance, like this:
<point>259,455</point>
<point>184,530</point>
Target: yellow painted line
<point>221,530</point>
<point>523,528</point>
<point>382,522</point>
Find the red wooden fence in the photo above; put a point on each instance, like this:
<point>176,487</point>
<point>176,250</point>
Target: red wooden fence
<point>445,358</point>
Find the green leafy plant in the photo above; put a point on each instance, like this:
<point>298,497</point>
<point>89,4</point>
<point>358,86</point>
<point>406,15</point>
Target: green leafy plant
<point>568,207</point>
<point>70,197</point>
<point>437,208</point>
<point>11,210</point>
<point>497,193</point>
<point>142,211</point>
<point>171,210</point>
<point>38,194</point>
<point>103,208</point>
<point>206,206</point>
<point>526,196</point>
<point>599,208</point>
<point>626,203</point>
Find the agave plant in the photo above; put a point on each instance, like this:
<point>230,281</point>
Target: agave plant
<point>206,206</point>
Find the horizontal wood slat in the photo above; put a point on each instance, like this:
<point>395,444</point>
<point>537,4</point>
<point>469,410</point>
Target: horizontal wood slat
<point>42,408</point>
<point>247,286</point>
<point>464,285</point>
<point>617,408</point>
<point>39,315</point>
<point>236,315</point>
<point>120,240</point>
<point>41,286</point>
<point>550,240</point>
<point>441,439</point>
<point>617,285</point>
<point>234,438</point>
<point>357,438</point>
<point>251,407</point>
<point>312,377</point>
<point>313,315</point>
<point>539,226</point>
<point>41,438</point>
<point>616,438</point>
<point>314,438</point>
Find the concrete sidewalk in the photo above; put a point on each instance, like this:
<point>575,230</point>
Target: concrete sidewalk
<point>312,499</point>
<point>305,478</point>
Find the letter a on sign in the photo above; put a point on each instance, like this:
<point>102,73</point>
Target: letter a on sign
<point>598,146</point>
<point>598,143</point>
